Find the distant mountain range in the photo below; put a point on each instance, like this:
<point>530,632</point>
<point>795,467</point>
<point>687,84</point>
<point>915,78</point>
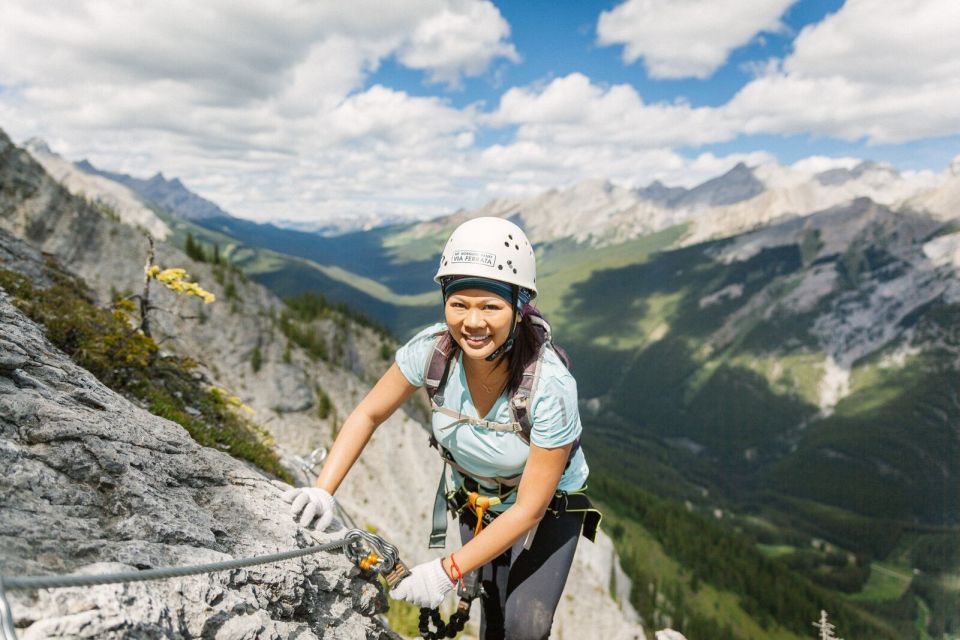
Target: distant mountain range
<point>171,195</point>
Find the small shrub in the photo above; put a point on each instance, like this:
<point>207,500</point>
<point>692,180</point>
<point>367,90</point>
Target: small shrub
<point>127,361</point>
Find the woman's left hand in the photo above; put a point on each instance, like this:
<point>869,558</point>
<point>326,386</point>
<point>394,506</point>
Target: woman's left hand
<point>426,585</point>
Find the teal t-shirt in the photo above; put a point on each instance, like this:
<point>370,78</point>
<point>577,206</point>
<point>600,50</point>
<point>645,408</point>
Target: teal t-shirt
<point>555,418</point>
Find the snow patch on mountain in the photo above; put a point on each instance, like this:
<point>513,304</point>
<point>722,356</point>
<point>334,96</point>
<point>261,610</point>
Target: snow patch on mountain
<point>899,357</point>
<point>834,385</point>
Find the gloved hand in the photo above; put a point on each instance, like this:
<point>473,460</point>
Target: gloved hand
<point>426,585</point>
<point>310,503</point>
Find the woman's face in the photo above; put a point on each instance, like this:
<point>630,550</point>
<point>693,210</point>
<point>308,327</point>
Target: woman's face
<point>478,320</point>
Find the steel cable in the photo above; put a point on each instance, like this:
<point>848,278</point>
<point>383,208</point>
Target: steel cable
<point>351,539</point>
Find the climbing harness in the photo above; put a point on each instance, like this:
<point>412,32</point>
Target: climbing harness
<point>381,558</point>
<point>466,499</point>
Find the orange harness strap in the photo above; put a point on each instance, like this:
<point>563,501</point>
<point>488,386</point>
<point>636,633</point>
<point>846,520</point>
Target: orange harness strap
<point>480,504</point>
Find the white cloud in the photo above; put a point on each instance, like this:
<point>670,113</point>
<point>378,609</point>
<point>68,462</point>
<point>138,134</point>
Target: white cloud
<point>819,164</point>
<point>686,38</point>
<point>571,129</point>
<point>460,41</point>
<point>882,42</point>
<point>260,107</point>
<point>885,71</point>
<point>574,111</point>
<point>270,112</point>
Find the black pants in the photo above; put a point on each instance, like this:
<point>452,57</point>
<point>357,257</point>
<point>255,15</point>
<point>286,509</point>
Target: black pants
<point>523,586</point>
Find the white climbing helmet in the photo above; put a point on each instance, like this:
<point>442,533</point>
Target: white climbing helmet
<point>491,248</point>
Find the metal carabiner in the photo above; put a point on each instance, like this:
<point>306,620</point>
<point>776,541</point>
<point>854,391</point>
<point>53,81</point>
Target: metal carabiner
<point>385,558</point>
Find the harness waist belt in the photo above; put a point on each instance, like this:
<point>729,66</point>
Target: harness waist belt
<point>459,500</point>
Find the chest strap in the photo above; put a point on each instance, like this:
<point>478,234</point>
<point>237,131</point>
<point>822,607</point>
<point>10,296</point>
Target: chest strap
<point>459,418</point>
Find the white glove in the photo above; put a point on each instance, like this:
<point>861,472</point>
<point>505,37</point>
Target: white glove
<point>426,585</point>
<point>310,503</point>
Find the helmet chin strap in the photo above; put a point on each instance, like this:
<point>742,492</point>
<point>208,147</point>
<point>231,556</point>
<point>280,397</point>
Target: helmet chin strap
<point>508,344</point>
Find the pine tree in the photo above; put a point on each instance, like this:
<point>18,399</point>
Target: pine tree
<point>194,249</point>
<point>826,628</point>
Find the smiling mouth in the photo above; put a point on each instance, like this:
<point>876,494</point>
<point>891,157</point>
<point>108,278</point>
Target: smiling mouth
<point>476,341</point>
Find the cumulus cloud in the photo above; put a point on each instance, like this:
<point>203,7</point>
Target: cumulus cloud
<point>272,114</point>
<point>885,71</point>
<point>277,98</point>
<point>461,41</point>
<point>572,110</point>
<point>686,38</point>
<point>572,128</point>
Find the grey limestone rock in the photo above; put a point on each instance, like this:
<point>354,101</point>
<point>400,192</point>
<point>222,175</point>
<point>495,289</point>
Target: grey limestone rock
<point>92,483</point>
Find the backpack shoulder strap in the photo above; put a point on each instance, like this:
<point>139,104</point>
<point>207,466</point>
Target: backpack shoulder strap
<point>522,398</point>
<point>438,364</point>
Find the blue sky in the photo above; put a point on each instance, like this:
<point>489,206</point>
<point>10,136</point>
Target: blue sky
<point>558,38</point>
<point>421,107</point>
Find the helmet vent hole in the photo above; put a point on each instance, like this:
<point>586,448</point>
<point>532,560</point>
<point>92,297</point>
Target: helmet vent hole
<point>506,244</point>
<point>517,247</point>
<point>500,266</point>
<point>514,270</point>
<point>510,236</point>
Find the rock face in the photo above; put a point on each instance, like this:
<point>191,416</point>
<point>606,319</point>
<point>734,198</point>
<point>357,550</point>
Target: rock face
<point>93,483</point>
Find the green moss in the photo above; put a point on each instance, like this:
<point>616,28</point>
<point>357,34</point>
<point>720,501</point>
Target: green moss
<point>128,362</point>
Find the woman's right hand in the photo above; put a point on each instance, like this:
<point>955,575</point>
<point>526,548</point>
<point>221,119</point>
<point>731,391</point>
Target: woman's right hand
<point>307,503</point>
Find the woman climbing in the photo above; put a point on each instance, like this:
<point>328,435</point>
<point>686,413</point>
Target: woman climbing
<point>505,419</point>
